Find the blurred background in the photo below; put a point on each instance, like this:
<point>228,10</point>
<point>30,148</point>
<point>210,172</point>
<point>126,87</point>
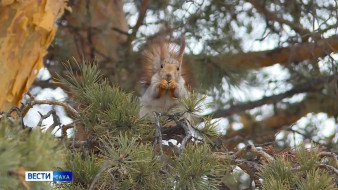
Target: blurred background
<point>270,67</point>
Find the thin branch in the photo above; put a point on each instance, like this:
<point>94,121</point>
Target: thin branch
<point>249,167</point>
<point>260,152</point>
<point>188,134</point>
<point>65,128</point>
<point>33,102</point>
<point>329,168</point>
<point>184,123</point>
<point>158,134</point>
<point>121,31</point>
<point>330,154</point>
<point>105,166</point>
<point>113,179</point>
<point>253,149</point>
<point>74,135</point>
<point>68,108</point>
<point>19,112</point>
<point>311,85</point>
<point>56,120</point>
<point>283,118</point>
<point>141,16</point>
<point>45,84</point>
<point>273,17</point>
<point>106,57</point>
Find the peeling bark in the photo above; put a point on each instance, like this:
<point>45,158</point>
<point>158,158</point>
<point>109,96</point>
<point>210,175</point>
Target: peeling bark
<point>27,29</point>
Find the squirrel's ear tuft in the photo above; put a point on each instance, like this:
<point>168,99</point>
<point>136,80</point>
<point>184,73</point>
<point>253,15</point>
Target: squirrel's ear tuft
<point>182,47</point>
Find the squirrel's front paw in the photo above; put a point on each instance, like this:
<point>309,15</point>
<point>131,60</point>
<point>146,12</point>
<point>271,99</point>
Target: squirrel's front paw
<point>163,84</point>
<point>172,84</point>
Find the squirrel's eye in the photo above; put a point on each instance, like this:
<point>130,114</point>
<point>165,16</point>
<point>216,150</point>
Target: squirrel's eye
<point>161,65</point>
<point>178,68</point>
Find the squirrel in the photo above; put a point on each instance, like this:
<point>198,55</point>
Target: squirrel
<point>164,77</point>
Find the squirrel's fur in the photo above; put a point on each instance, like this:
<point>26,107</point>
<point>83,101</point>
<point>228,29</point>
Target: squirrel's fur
<point>164,77</point>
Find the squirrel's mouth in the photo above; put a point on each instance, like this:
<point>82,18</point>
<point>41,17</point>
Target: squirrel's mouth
<point>169,77</point>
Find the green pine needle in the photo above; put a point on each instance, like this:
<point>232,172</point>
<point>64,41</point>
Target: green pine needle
<point>29,150</point>
<point>194,103</point>
<point>278,170</point>
<point>77,82</point>
<point>307,158</point>
<point>196,169</point>
<point>316,180</point>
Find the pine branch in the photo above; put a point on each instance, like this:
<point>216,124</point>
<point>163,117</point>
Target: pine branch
<point>18,112</point>
<point>268,126</point>
<point>253,149</point>
<point>311,85</point>
<point>141,16</point>
<point>45,84</point>
<point>56,119</point>
<point>104,167</point>
<point>33,102</point>
<point>65,128</point>
<point>285,55</point>
<point>329,168</point>
<point>273,17</point>
<point>332,155</point>
<point>249,167</point>
<point>183,123</point>
<point>158,134</point>
<point>285,117</point>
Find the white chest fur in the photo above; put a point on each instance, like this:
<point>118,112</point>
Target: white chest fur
<point>163,104</point>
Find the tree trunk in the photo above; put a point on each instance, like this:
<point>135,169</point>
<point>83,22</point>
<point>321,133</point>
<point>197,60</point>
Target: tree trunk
<point>27,29</point>
<point>94,30</point>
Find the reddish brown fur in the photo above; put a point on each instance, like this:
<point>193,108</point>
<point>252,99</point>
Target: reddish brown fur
<point>156,50</point>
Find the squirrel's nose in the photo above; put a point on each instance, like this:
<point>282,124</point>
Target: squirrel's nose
<point>169,76</point>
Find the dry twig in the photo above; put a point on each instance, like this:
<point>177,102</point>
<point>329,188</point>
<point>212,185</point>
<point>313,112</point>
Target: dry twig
<point>158,134</point>
<point>32,102</point>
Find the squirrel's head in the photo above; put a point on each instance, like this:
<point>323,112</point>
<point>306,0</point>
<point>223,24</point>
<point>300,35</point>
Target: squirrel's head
<point>170,65</point>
